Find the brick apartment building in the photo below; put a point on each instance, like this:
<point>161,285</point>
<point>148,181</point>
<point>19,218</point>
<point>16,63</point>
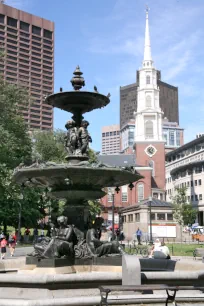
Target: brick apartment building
<point>28,42</point>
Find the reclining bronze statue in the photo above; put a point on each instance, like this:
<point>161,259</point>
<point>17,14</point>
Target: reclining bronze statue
<point>67,241</point>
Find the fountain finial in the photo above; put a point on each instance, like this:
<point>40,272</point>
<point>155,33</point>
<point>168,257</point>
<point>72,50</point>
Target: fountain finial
<point>77,80</point>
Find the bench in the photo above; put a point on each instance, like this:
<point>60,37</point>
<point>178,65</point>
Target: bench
<point>198,252</point>
<point>105,290</point>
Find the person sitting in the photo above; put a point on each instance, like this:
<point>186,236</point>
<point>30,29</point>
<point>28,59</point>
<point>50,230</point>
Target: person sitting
<point>162,252</point>
<point>155,247</point>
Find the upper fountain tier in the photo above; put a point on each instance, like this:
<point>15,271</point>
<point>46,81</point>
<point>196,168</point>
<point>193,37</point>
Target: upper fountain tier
<point>78,101</point>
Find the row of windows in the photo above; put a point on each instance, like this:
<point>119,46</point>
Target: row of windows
<point>25,26</point>
<point>181,174</point>
<point>186,152</point>
<point>154,216</point>
<point>111,133</point>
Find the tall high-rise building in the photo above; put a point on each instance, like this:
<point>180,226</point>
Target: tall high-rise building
<point>28,42</point>
<point>111,139</point>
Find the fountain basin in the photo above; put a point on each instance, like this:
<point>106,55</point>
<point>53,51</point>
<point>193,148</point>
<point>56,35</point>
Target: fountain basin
<point>72,101</point>
<point>76,182</point>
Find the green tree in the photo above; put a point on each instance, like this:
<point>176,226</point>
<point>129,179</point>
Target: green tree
<point>183,211</point>
<point>49,146</point>
<point>95,208</point>
<point>15,143</point>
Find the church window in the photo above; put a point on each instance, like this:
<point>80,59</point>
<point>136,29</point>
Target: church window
<point>140,191</point>
<point>124,193</point>
<point>151,164</point>
<point>147,63</point>
<point>147,79</point>
<point>148,101</point>
<point>149,129</point>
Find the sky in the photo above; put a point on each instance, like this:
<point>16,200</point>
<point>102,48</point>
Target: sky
<point>106,39</point>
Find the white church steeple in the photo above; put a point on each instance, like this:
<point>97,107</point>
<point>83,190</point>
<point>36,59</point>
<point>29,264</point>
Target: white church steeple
<point>147,46</point>
<point>148,116</point>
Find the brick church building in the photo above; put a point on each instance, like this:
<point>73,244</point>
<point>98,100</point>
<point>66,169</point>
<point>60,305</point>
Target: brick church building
<point>149,153</point>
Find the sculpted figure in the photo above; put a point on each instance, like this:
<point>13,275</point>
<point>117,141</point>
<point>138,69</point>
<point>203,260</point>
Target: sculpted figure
<point>84,137</point>
<point>61,244</point>
<point>71,139</point>
<point>99,248</point>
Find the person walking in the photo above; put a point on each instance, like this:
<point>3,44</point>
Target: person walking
<point>35,235</point>
<point>12,244</point>
<point>139,235</point>
<point>3,244</point>
<point>26,235</point>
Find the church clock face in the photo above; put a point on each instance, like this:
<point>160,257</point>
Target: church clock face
<point>150,150</point>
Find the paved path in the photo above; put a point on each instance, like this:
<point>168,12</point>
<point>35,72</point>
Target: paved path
<point>20,251</point>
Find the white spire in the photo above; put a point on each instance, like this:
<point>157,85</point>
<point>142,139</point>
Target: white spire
<point>147,47</point>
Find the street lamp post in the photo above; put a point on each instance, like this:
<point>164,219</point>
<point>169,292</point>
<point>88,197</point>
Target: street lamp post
<point>113,216</point>
<point>150,219</point>
<point>19,222</point>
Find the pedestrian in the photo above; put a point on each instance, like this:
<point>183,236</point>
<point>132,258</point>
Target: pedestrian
<point>155,247</point>
<point>26,235</point>
<point>165,250</point>
<point>139,235</point>
<point>12,244</point>
<point>3,247</point>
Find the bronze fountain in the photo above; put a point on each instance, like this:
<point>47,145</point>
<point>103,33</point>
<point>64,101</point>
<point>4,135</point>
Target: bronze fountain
<point>76,180</point>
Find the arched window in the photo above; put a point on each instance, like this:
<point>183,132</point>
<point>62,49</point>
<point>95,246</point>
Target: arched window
<point>147,63</point>
<point>140,191</point>
<point>147,79</point>
<point>148,101</point>
<point>149,129</point>
<point>151,164</point>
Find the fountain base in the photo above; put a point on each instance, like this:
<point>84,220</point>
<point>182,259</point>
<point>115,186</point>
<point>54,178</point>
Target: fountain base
<point>76,159</point>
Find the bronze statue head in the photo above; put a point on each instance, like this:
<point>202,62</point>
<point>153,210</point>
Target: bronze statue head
<point>98,222</point>
<point>62,220</point>
<point>84,123</point>
<point>70,124</point>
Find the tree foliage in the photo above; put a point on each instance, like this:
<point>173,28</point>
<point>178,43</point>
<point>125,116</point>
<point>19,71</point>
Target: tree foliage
<point>15,143</point>
<point>183,211</point>
<point>49,146</point>
<point>95,208</point>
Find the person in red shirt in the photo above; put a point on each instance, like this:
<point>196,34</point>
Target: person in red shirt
<point>3,244</point>
<point>12,244</point>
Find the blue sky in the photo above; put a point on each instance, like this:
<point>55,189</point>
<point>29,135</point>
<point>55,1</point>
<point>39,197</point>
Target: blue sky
<point>106,39</point>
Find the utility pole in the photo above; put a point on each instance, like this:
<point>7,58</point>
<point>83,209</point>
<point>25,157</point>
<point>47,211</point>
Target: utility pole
<point>113,219</point>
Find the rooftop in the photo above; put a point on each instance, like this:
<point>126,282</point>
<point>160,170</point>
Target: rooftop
<point>154,203</point>
<point>118,160</point>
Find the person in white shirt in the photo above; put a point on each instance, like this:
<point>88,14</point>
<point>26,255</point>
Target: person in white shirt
<point>155,247</point>
<point>165,250</point>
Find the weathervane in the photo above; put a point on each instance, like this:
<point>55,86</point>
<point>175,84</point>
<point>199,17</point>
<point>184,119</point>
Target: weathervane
<point>147,9</point>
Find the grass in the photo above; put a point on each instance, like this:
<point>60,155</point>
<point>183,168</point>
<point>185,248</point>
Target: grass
<point>180,249</point>
<point>176,249</point>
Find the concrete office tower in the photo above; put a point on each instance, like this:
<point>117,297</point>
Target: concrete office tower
<point>28,42</point>
<point>111,139</point>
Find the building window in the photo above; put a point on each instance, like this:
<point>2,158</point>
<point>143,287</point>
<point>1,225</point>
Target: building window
<point>24,26</point>
<point>195,182</point>
<point>148,101</point>
<point>153,217</point>
<point>148,79</point>
<point>189,198</point>
<point>140,191</point>
<point>196,197</point>
<point>169,217</point>
<point>155,195</point>
<point>149,129</point>
<point>36,30</point>
<point>188,184</point>
<point>198,169</point>
<point>199,182</point>
<point>171,138</point>
<point>200,197</point>
<point>137,217</point>
<point>151,164</point>
<point>110,196</point>
<point>191,183</point>
<point>192,198</point>
<point>103,135</point>
<point>178,143</point>
<point>2,17</point>
<point>47,34</point>
<point>130,218</point>
<point>124,193</point>
<point>160,216</point>
<point>12,22</point>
